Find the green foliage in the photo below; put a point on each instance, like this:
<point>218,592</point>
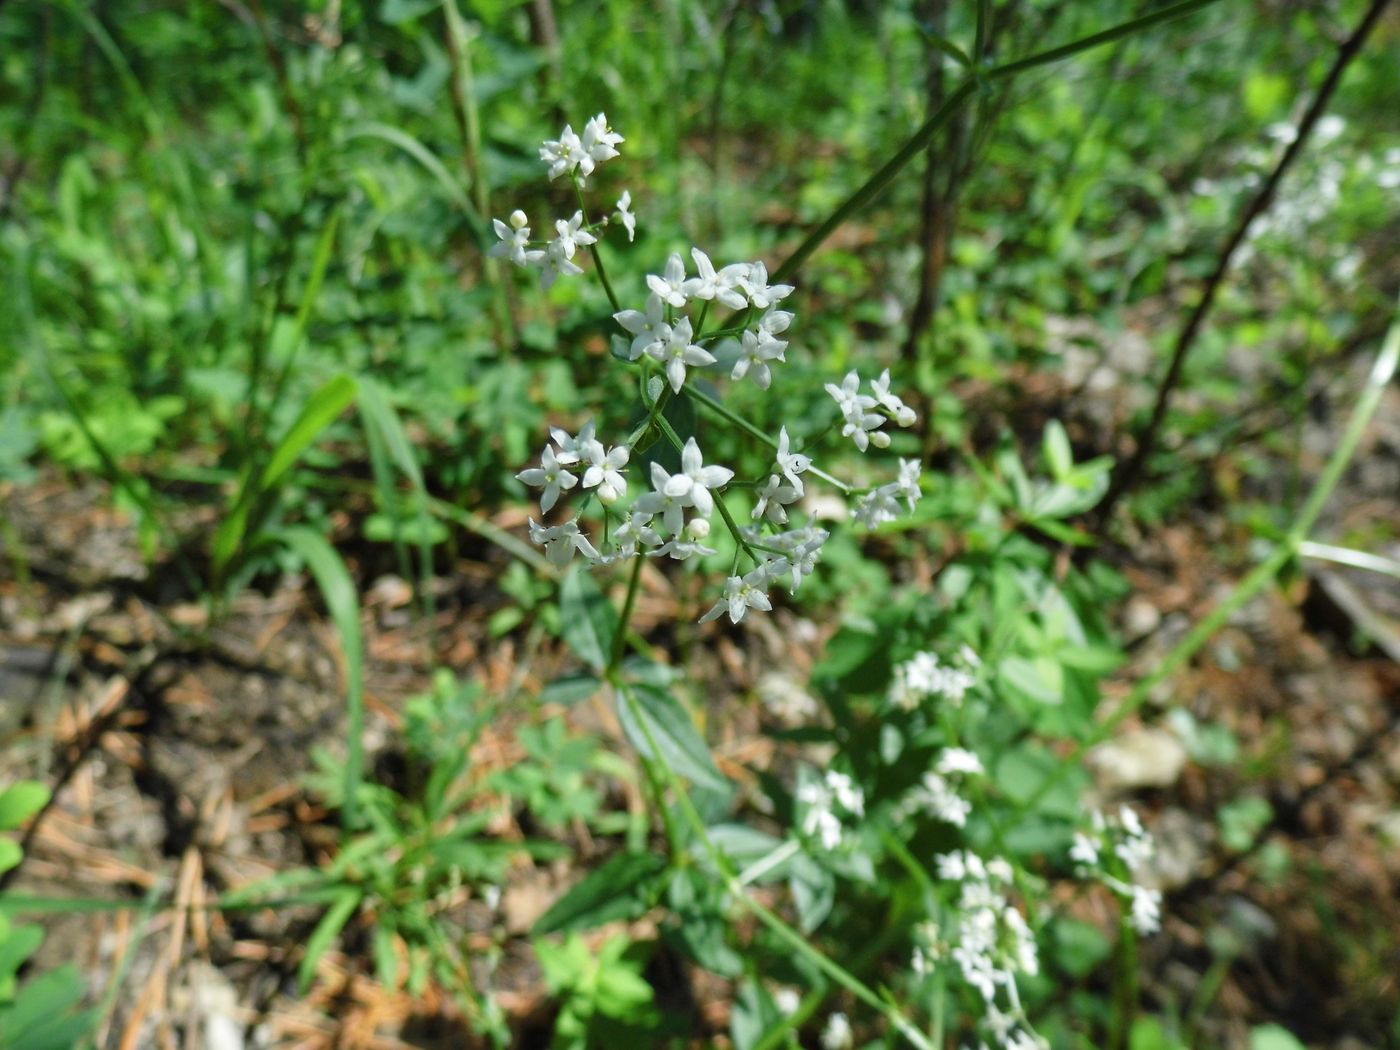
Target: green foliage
<point>44,1012</point>
<point>259,229</point>
<point>602,994</point>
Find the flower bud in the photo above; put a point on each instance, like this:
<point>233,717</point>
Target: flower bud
<point>880,439</point>
<point>906,416</point>
<point>698,528</point>
<point>607,495</point>
<point>518,219</point>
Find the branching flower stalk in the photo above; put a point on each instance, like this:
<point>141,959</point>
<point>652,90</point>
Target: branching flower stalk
<point>668,347</point>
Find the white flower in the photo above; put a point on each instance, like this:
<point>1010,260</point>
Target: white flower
<point>695,480</point>
<point>760,293</point>
<point>515,240</point>
<point>908,483</point>
<point>649,330</point>
<point>756,349</point>
<point>902,413</point>
<point>565,153</point>
<point>598,140</point>
<point>671,286</point>
<point>1085,850</point>
<point>804,556</point>
<point>561,541</point>
<point>721,286</point>
<point>937,796</point>
<point>846,792</point>
<point>1147,910</point>
<point>1135,852</point>
<point>787,1001</point>
<point>571,235</point>
<point>574,449</point>
<point>551,474</point>
<point>678,351</point>
<point>861,424</point>
<point>635,528</point>
<point>553,264</point>
<point>775,322</point>
<point>771,499</point>
<point>742,593</point>
<point>669,498</point>
<point>959,760</point>
<point>605,471</point>
<point>624,214</point>
<point>1131,824</point>
<point>791,463</point>
<point>922,676</point>
<point>682,547</point>
<point>877,507</point>
<point>837,1034</point>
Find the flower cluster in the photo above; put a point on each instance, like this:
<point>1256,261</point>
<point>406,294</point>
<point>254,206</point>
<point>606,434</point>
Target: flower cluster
<point>937,794</point>
<point>862,421</point>
<point>989,941</point>
<point>924,677</point>
<point>820,798</point>
<point>1125,839</point>
<point>667,341</point>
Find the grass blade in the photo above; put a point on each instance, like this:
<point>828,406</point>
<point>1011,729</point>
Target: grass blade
<point>338,589</point>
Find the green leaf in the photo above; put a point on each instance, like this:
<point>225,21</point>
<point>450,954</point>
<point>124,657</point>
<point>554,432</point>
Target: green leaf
<point>813,892</point>
<point>42,1017</point>
<point>588,620</point>
<point>570,689</point>
<point>337,915</point>
<point>10,854</point>
<point>18,945</point>
<point>745,846</point>
<point>20,802</point>
<point>342,600</point>
<point>1149,1034</point>
<point>621,889</point>
<point>1242,820</point>
<point>1274,1037</point>
<point>386,957</point>
<point>1079,947</point>
<point>1041,680</point>
<point>649,714</point>
<point>1058,455</point>
<point>320,411</point>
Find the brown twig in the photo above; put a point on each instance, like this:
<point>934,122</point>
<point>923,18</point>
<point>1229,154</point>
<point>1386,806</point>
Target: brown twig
<point>1130,471</point>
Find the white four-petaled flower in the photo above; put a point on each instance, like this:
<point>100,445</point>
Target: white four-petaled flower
<point>552,474</point>
<point>677,351</point>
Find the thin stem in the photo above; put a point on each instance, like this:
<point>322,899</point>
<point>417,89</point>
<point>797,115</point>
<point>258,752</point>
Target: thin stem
<point>603,276</point>
<point>764,865</point>
<point>876,184</point>
<point>1262,574</point>
<point>593,249</point>
<point>675,440</point>
<point>743,424</point>
<point>775,924</point>
<point>628,605</point>
<point>1352,558</point>
<point>1127,475</point>
<point>984,19</point>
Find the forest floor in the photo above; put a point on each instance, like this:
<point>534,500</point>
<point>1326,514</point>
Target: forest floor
<point>181,770</point>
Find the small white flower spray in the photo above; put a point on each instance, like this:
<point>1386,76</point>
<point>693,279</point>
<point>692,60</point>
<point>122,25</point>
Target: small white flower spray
<point>666,342</point>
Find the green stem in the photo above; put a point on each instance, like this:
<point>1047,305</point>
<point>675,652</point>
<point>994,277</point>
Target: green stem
<point>775,923</point>
<point>1261,576</point>
<point>919,141</point>
<point>629,604</point>
<point>593,250</point>
<point>743,424</point>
